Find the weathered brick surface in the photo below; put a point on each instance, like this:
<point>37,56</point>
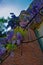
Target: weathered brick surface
<point>31,54</point>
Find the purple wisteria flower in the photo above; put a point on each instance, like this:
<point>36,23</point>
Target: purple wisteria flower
<point>2,50</point>
<point>19,36</point>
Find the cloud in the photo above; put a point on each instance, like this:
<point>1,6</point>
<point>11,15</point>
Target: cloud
<point>5,11</point>
<point>15,6</point>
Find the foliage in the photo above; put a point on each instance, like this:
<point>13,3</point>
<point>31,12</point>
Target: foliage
<point>10,47</point>
<point>14,21</point>
<point>19,29</point>
<point>3,20</point>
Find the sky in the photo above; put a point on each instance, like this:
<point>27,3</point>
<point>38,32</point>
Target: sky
<point>13,6</point>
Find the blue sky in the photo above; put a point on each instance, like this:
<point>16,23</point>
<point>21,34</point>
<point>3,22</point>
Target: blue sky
<point>15,6</point>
